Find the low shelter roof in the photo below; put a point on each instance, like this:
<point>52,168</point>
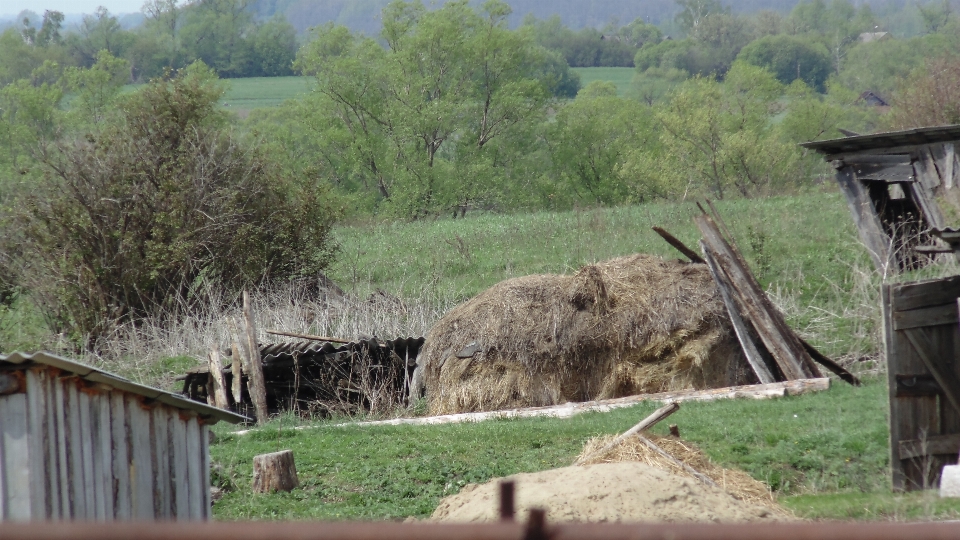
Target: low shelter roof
<point>209,414</point>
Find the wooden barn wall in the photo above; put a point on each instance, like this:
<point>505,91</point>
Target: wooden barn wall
<point>922,341</point>
<point>69,450</point>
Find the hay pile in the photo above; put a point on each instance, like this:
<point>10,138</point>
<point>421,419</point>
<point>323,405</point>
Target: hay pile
<point>737,483</point>
<point>627,326</point>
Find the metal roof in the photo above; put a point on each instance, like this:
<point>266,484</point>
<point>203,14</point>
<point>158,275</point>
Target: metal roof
<point>890,139</point>
<point>92,374</point>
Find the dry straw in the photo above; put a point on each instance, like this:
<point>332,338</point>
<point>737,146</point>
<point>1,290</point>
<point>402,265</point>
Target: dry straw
<point>735,482</point>
<point>631,325</point>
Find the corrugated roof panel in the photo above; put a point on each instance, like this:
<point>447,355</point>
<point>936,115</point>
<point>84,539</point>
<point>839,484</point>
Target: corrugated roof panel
<point>99,376</point>
<point>890,139</point>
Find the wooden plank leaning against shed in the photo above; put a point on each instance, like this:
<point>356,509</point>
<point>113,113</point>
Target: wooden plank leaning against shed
<point>791,357</point>
<point>865,217</point>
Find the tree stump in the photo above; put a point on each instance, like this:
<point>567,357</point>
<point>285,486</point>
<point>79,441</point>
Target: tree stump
<point>274,472</point>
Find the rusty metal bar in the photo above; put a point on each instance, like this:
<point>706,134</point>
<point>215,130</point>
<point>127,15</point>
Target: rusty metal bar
<point>493,531</point>
<point>507,490</point>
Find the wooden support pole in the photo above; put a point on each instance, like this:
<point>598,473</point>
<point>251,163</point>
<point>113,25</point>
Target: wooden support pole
<point>255,383</point>
<point>678,245</point>
<point>236,366</point>
<point>216,375</point>
<point>308,336</point>
<point>274,472</point>
<point>644,424</point>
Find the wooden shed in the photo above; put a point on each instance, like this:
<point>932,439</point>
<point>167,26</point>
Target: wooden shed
<point>903,190</point>
<point>922,345</point>
<point>78,443</point>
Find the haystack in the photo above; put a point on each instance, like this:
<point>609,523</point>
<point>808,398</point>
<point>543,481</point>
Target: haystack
<point>737,483</point>
<point>631,325</point>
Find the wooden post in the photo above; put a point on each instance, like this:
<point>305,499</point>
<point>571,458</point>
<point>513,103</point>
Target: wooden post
<point>258,391</point>
<point>216,375</point>
<point>274,472</point>
<point>236,365</point>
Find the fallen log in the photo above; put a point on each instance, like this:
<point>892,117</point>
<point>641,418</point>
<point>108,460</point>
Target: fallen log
<point>567,410</point>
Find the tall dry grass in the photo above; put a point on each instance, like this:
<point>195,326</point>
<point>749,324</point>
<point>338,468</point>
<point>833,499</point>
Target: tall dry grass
<point>157,349</point>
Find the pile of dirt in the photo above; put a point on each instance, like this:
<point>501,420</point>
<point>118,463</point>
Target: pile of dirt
<point>631,325</point>
<point>737,483</point>
<point>609,492</point>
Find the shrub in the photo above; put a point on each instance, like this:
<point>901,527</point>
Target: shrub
<point>133,217</point>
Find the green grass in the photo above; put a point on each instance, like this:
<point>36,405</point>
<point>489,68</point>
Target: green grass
<point>620,76</point>
<point>804,246</point>
<point>244,95</point>
<point>829,442</point>
<point>917,505</point>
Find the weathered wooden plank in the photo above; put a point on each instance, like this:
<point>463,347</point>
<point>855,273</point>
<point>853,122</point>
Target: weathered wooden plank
<point>779,339</point>
<point>179,469</point>
<point>678,245</point>
<point>929,446</point>
<point>948,168</point>
<point>86,453</point>
<point>922,317</point>
<point>255,383</point>
<point>15,455</point>
<point>194,474</point>
<point>216,374</point>
<point>52,453</point>
<point>63,451</point>
<point>884,172</point>
<point>205,470</point>
<point>160,443</point>
<point>865,218</point>
<point>103,455</point>
<point>926,293</point>
<point>121,462</point>
<point>141,462</point>
<point>747,343</point>
<point>76,433</point>
<point>37,429</point>
<point>917,385</point>
<point>920,339</point>
<point>896,404</point>
<point>923,191</point>
<point>236,369</point>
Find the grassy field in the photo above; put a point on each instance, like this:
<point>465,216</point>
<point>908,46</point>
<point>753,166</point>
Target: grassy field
<point>259,92</point>
<point>825,455</point>
<point>620,76</point>
<point>803,248</point>
<point>244,95</point>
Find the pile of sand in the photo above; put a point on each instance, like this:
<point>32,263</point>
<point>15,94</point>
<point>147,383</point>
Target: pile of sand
<point>631,325</point>
<point>609,492</point>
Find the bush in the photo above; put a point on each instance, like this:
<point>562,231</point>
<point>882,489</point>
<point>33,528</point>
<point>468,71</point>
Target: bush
<point>133,217</point>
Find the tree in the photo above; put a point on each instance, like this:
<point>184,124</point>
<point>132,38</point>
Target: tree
<point>405,117</point>
<point>935,16</point>
<point>693,12</point>
<point>274,47</point>
<point>930,97</point>
<point>790,58</point>
<point>136,215</point>
<point>591,139</point>
<point>718,137</point>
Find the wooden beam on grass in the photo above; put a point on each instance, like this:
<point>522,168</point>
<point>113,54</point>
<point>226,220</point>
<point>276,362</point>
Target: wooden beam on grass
<point>311,337</point>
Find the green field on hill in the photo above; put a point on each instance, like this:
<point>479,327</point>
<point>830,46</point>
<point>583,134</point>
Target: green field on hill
<point>620,76</point>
